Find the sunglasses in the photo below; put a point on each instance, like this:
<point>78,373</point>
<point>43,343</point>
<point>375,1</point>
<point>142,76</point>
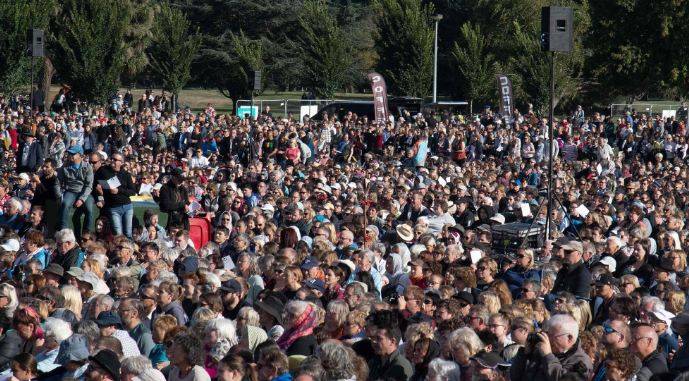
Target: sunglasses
<point>608,329</point>
<point>427,301</point>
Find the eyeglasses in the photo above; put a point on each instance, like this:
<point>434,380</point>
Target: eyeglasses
<point>427,301</point>
<point>481,269</point>
<point>95,162</point>
<point>525,290</point>
<point>521,256</point>
<point>608,329</point>
<point>463,305</point>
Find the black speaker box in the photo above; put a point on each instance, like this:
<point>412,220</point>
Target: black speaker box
<point>557,29</point>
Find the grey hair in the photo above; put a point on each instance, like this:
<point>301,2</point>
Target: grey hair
<point>654,301</point>
<point>443,370</point>
<point>65,235</point>
<point>128,244</point>
<point>311,366</point>
<point>225,329</point>
<point>90,330</point>
<point>249,315</point>
<point>369,255</point>
<point>10,292</point>
<point>58,329</point>
<point>136,364</point>
<point>378,247</point>
<point>336,361</point>
<point>296,307</point>
<point>16,204</point>
<point>565,323</point>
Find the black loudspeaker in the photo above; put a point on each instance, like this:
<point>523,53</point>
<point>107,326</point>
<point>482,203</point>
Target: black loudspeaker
<point>257,80</point>
<point>36,43</point>
<point>557,29</point>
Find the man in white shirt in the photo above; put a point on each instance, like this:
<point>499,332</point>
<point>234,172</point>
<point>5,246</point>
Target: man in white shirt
<point>199,161</point>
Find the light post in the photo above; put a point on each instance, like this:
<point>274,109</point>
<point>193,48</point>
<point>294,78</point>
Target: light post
<point>437,19</point>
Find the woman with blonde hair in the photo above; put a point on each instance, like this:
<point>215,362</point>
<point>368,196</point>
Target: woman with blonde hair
<point>674,301</point>
<point>501,288</point>
<point>73,301</point>
<point>629,283</point>
<point>335,319</point>
<point>491,300</point>
<point>462,345</point>
<point>521,271</point>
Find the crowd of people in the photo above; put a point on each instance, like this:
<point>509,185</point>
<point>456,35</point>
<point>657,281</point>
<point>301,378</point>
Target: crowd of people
<point>339,249</point>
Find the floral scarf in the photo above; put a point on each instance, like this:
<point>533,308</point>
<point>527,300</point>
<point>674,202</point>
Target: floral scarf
<point>303,326</point>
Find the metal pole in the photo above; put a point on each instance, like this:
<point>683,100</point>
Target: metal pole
<point>31,91</point>
<point>435,60</point>
<point>551,141</point>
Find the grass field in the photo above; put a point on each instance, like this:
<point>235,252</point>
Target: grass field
<point>198,99</point>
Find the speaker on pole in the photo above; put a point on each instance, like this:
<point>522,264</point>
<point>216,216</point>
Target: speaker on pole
<point>36,43</point>
<point>557,29</point>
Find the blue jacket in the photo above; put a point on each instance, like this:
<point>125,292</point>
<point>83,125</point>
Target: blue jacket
<point>516,276</point>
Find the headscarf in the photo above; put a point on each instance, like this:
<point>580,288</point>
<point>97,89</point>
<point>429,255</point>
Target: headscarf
<point>254,336</point>
<point>303,326</point>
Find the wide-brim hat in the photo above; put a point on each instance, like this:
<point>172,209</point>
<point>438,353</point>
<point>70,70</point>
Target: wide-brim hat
<point>405,232</point>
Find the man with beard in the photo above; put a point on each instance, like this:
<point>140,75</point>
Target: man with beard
<point>233,297</point>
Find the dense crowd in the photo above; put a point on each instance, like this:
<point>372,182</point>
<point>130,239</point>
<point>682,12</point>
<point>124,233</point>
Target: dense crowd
<point>339,249</point>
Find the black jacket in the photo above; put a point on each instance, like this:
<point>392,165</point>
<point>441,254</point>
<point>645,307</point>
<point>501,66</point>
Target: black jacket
<point>70,259</point>
<point>305,346</point>
<point>395,367</point>
<point>124,191</point>
<point>575,279</point>
<point>172,200</point>
<point>34,159</point>
<point>653,365</point>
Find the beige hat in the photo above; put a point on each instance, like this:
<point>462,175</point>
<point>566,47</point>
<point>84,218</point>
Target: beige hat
<point>574,246</point>
<point>405,232</point>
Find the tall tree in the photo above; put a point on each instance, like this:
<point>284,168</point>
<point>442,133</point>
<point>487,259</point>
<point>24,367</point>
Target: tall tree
<point>231,62</point>
<point>639,48</point>
<point>16,17</point>
<point>172,49</point>
<point>476,64</point>
<point>404,44</point>
<point>138,36</point>
<point>325,49</point>
<point>88,46</point>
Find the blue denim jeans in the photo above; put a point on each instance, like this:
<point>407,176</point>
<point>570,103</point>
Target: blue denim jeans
<point>67,209</point>
<point>121,218</point>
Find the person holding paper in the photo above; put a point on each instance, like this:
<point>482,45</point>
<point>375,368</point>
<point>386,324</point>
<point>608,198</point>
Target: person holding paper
<point>116,186</point>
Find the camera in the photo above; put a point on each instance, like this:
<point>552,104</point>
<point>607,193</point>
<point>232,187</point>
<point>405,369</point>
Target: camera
<point>533,339</point>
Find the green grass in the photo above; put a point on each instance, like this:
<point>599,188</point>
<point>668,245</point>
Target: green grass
<point>198,99</point>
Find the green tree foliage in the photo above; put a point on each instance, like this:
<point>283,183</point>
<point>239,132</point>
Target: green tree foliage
<point>173,48</point>
<point>404,44</point>
<point>475,63</point>
<point>639,48</point>
<point>16,17</point>
<point>138,36</point>
<point>231,62</point>
<point>326,51</point>
<point>88,48</point>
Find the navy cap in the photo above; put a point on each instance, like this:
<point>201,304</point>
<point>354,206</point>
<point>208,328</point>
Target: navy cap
<point>310,263</point>
<point>315,284</point>
<point>108,318</point>
<point>231,286</point>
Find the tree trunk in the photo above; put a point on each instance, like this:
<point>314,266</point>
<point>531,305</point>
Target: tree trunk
<point>46,82</point>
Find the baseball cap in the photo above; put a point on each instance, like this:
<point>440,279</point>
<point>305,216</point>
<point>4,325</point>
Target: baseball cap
<point>573,246</point>
<point>310,263</point>
<point>74,348</point>
<point>606,279</point>
<point>315,284</point>
<point>77,149</point>
<point>231,286</point>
